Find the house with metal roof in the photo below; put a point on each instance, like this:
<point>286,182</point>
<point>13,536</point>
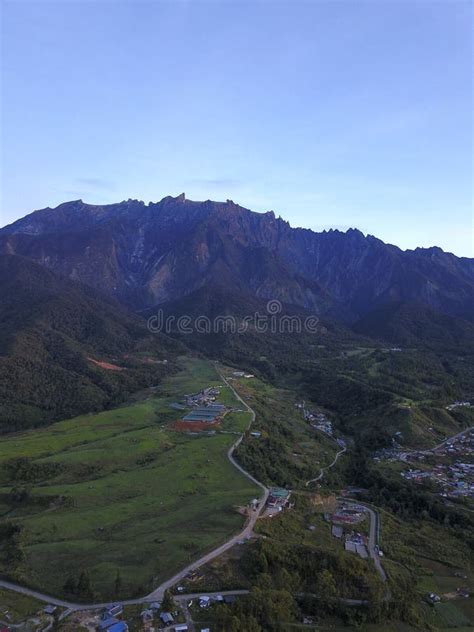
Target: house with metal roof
<point>121,626</point>
<point>166,617</point>
<point>113,610</point>
<point>106,624</point>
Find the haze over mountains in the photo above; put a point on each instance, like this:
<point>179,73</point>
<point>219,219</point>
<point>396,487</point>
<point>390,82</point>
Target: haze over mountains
<point>144,255</point>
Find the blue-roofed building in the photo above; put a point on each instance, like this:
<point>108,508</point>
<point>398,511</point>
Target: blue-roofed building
<point>166,617</point>
<point>106,624</point>
<point>121,626</point>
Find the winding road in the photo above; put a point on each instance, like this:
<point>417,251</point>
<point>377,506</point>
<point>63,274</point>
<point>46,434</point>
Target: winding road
<point>328,467</point>
<point>373,539</point>
<point>445,442</point>
<point>158,593</point>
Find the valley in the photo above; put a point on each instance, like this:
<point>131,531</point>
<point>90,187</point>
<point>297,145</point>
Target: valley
<point>135,503</point>
<point>272,466</point>
<point>94,493</point>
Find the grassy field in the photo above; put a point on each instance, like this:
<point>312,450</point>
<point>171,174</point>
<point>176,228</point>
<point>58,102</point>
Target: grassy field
<point>120,491</point>
<point>15,608</point>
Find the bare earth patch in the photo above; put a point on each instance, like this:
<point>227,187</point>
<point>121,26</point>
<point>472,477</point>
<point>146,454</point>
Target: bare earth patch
<point>106,365</point>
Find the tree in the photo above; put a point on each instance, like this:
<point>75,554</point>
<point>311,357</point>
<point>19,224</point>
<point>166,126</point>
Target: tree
<point>84,587</point>
<point>118,584</point>
<point>70,585</point>
<point>326,588</point>
<point>11,546</point>
<point>168,604</point>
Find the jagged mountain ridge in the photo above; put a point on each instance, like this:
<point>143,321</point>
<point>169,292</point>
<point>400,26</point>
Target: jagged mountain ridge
<point>144,255</point>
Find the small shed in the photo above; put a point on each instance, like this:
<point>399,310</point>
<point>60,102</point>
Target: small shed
<point>49,609</point>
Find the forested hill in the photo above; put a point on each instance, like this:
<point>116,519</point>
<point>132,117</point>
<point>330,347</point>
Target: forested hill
<point>53,335</point>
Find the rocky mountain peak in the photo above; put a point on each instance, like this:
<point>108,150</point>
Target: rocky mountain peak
<point>147,254</point>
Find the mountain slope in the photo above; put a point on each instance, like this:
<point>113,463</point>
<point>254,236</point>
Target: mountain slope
<point>410,324</point>
<point>53,336</point>
<point>149,254</point>
<point>243,330</point>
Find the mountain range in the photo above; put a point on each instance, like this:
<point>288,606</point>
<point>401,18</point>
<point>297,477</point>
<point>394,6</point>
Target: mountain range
<point>77,281</point>
<point>145,255</point>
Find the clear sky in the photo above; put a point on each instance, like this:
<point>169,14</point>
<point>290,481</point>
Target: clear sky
<point>339,113</point>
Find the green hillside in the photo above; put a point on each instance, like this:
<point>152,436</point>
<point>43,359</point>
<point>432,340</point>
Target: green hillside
<point>51,332</point>
<point>118,492</point>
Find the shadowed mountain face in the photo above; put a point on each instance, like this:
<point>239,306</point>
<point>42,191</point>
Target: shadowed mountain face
<point>64,350</point>
<point>144,255</point>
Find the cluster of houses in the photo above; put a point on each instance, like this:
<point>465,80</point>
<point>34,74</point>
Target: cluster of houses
<point>416,475</point>
<point>463,445</point>
<point>152,613</point>
<point>393,454</point>
<point>111,621</point>
<point>353,542</point>
<point>356,543</point>
<point>349,515</point>
<point>455,480</point>
<point>203,398</point>
<point>204,406</point>
<point>317,420</point>
<point>322,424</point>
<point>459,404</point>
<point>152,617</point>
<point>278,498</point>
<point>445,465</point>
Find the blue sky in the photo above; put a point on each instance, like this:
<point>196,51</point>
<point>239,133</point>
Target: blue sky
<point>341,113</point>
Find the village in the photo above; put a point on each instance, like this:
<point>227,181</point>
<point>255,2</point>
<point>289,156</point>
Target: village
<point>449,465</point>
<point>154,616</point>
<point>317,420</point>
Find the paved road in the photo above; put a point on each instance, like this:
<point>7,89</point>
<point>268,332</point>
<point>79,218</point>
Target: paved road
<point>328,467</point>
<point>443,443</point>
<point>224,593</point>
<point>373,540</point>
<point>158,593</point>
<point>37,595</point>
<point>372,543</point>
